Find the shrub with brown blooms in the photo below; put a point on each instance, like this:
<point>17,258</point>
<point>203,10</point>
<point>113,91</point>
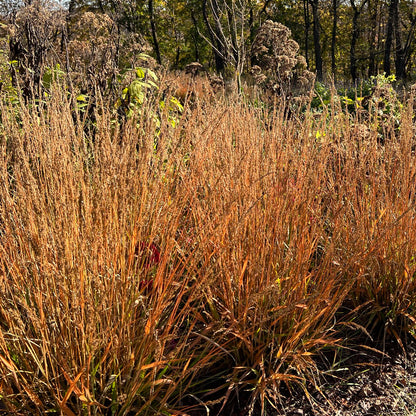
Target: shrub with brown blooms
<point>94,56</point>
<point>34,34</point>
<point>102,56</point>
<point>277,63</point>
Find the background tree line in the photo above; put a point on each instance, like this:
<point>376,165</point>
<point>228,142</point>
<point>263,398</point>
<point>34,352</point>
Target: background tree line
<point>347,40</point>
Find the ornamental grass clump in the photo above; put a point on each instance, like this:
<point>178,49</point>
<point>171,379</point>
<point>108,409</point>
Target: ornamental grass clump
<point>211,272</point>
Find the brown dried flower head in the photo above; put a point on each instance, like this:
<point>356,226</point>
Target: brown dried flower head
<point>277,61</point>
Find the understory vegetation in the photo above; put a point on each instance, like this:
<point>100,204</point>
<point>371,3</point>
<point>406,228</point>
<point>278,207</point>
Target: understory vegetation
<point>187,259</point>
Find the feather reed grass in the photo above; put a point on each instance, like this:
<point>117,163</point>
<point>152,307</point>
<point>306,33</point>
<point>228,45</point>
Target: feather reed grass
<point>276,237</point>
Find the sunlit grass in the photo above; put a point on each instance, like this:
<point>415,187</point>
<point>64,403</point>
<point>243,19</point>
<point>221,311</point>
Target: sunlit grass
<point>273,242</point>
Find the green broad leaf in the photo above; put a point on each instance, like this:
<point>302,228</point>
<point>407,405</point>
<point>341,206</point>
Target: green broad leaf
<point>176,103</point>
<point>143,57</point>
<point>140,72</point>
<point>153,84</point>
<point>152,75</point>
<point>47,79</point>
<point>82,98</point>
<point>124,93</point>
<point>172,121</point>
<point>117,104</point>
<point>346,100</point>
<point>138,97</point>
<point>146,85</point>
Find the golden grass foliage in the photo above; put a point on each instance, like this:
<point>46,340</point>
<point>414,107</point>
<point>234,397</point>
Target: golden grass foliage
<point>277,238</point>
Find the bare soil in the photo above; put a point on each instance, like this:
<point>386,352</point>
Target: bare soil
<point>367,383</point>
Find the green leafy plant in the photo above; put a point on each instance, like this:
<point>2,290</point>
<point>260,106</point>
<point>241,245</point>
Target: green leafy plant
<point>136,98</point>
<point>8,91</point>
<point>51,76</point>
<point>322,96</point>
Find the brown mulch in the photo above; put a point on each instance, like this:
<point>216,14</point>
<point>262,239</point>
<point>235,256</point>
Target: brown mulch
<point>368,384</point>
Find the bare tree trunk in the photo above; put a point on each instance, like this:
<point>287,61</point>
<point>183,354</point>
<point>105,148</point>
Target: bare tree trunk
<point>72,6</point>
<point>214,42</point>
<point>334,36</point>
<point>354,37</point>
<point>195,37</point>
<point>373,10</point>
<point>251,25</point>
<point>231,24</point>
<point>316,39</point>
<point>307,27</point>
<point>389,39</point>
<point>154,32</point>
<point>222,39</point>
<point>409,39</point>
<point>400,58</point>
